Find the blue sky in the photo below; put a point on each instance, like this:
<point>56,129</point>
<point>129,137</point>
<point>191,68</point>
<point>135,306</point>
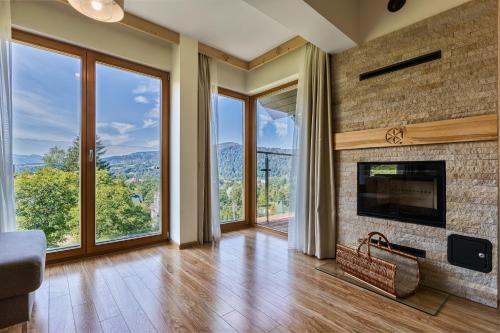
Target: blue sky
<point>230,119</point>
<point>128,111</point>
<point>46,99</point>
<point>275,129</point>
<point>46,103</point>
<point>47,107</point>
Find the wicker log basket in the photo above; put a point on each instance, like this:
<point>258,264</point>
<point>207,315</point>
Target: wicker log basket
<point>394,272</point>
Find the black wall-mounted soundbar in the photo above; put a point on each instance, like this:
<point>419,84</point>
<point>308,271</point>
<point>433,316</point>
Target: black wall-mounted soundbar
<point>401,65</point>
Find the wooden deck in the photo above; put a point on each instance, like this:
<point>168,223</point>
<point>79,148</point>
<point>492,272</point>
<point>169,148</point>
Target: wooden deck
<point>278,222</point>
<point>250,282</point>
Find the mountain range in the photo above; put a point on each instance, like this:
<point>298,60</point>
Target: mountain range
<point>27,159</point>
<point>146,163</point>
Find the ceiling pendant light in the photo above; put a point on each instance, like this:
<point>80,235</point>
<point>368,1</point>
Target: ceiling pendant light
<point>100,10</point>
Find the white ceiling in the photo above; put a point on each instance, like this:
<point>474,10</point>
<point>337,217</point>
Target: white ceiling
<point>298,16</point>
<point>232,26</point>
<point>248,28</point>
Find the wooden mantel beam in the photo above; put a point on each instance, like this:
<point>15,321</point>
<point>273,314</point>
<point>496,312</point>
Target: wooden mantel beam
<point>469,129</point>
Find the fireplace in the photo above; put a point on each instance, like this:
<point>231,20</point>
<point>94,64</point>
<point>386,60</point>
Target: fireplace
<point>412,192</point>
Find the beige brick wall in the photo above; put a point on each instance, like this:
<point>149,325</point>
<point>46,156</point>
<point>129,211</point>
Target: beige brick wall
<point>463,83</point>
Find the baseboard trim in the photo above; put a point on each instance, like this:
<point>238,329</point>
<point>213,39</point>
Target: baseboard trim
<point>186,245</point>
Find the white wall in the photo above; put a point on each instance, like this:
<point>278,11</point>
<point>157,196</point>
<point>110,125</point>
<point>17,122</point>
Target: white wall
<point>282,70</point>
<point>61,22</point>
<point>184,142</point>
<point>232,78</point>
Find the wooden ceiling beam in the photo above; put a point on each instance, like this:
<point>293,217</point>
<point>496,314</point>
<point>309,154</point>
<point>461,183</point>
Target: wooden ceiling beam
<point>277,52</point>
<point>155,30</point>
<point>222,56</point>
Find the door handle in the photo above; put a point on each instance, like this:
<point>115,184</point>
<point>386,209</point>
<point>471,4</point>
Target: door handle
<point>91,155</point>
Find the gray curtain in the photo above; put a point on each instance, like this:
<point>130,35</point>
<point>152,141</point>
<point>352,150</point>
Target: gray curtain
<point>208,142</point>
<point>204,100</point>
<point>313,226</point>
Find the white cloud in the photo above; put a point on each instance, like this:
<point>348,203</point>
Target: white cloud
<point>263,119</point>
<point>57,137</point>
<point>113,140</point>
<point>122,128</point>
<point>102,125</point>
<point>38,109</point>
<point>77,75</point>
<point>148,123</point>
<point>281,126</point>
<point>153,143</point>
<point>155,112</point>
<point>151,87</point>
<point>141,99</point>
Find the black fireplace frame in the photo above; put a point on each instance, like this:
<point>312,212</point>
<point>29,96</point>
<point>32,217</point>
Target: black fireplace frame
<point>441,199</point>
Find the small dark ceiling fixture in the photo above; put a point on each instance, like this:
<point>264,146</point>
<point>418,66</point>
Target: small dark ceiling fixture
<point>395,5</point>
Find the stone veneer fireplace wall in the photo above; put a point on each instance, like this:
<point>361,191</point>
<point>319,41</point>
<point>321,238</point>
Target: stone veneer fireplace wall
<point>463,83</point>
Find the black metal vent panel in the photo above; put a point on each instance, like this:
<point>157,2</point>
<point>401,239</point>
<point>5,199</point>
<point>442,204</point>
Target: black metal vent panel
<point>401,65</point>
<point>470,252</point>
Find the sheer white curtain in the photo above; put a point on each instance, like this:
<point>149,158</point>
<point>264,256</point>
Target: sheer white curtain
<point>214,151</point>
<point>7,210</point>
<point>312,226</point>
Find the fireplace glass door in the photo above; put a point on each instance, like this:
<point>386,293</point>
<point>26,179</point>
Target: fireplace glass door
<point>404,191</point>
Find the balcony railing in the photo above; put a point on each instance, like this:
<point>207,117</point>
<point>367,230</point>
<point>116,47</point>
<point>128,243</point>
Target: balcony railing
<point>273,186</point>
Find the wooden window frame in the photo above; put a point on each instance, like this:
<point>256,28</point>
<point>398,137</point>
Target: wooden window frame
<point>253,157</point>
<point>248,129</point>
<point>88,59</point>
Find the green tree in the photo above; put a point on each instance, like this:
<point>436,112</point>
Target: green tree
<point>55,158</point>
<point>47,200</point>
<point>100,150</point>
<point>116,214</point>
<point>70,160</point>
<point>147,190</point>
<point>72,157</point>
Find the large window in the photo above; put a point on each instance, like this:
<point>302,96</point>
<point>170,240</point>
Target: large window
<point>231,127</point>
<point>89,132</point>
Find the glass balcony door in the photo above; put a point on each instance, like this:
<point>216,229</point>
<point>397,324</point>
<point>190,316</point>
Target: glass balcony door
<point>126,159</point>
<point>90,147</point>
<point>275,125</point>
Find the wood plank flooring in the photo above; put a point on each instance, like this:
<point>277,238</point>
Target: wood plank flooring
<point>250,282</point>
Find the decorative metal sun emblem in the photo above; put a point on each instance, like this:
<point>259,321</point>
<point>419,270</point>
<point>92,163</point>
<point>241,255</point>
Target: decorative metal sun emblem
<point>395,135</point>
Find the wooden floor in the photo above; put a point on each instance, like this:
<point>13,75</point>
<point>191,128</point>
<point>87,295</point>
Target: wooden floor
<point>249,283</point>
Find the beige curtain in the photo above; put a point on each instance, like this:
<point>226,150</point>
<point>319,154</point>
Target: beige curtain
<point>313,227</point>
<point>208,190</point>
